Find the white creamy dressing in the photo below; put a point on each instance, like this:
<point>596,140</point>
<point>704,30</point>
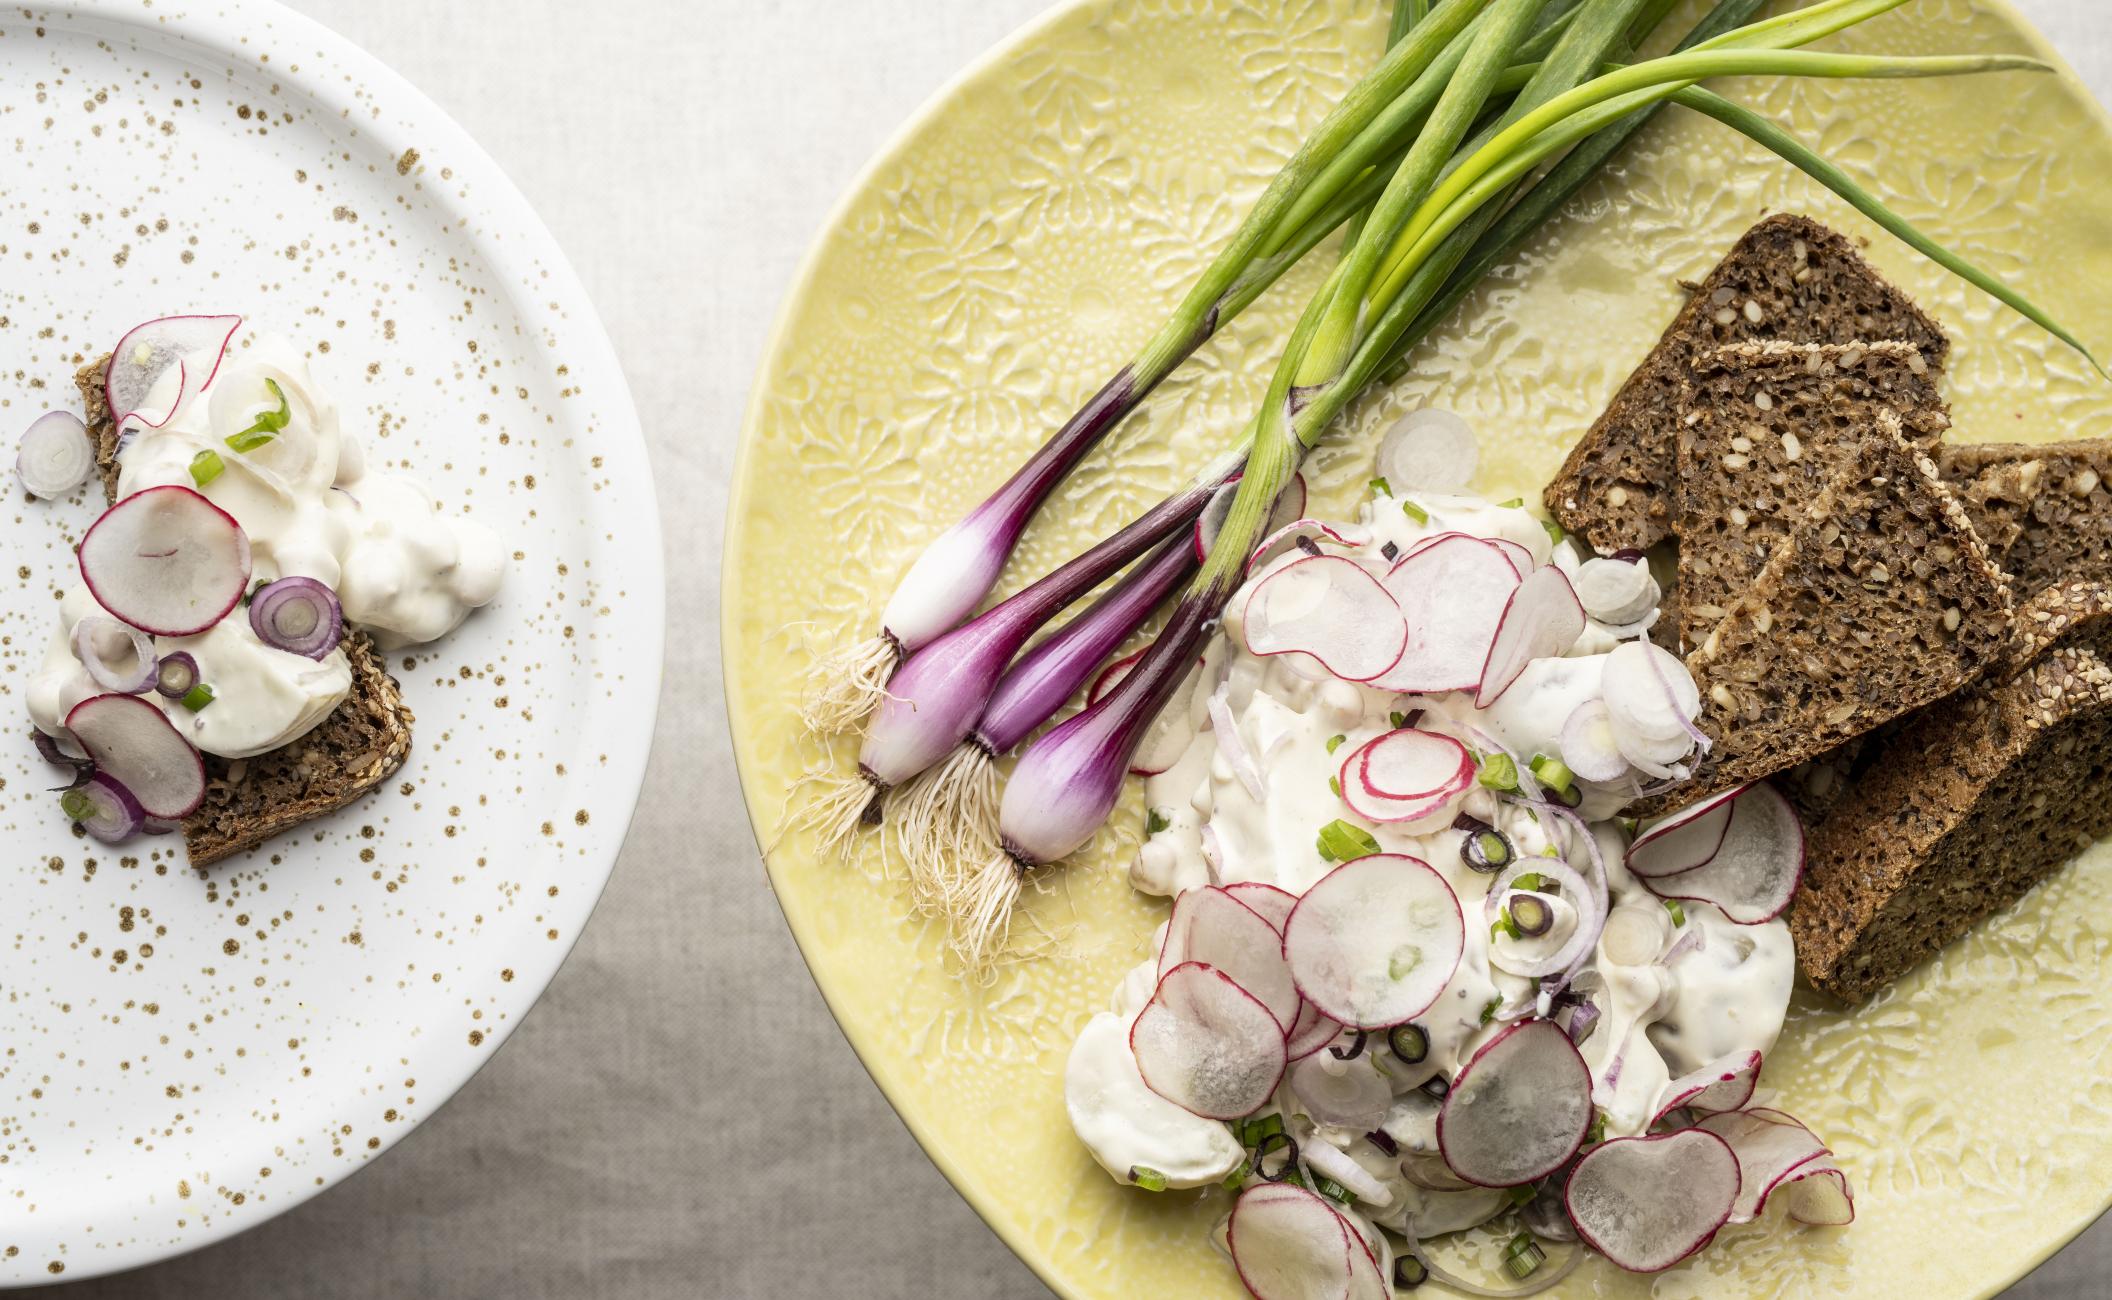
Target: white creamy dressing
<point>1726,991</point>
<point>312,507</point>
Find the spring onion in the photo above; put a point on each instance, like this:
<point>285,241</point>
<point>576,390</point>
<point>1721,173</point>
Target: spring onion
<point>206,466</point>
<point>1523,1257</point>
<point>1410,1042</point>
<point>1679,913</point>
<point>1151,1180</point>
<point>196,698</point>
<point>1498,772</point>
<point>1341,842</point>
<point>268,425</point>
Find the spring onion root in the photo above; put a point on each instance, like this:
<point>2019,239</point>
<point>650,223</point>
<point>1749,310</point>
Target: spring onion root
<point>944,819</point>
<point>847,684</point>
<point>838,808</point>
<point>982,921</point>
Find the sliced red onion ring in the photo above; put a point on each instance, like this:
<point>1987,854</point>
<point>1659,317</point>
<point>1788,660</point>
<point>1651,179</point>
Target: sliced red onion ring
<point>194,344</point>
<point>1331,608</point>
<point>1542,619</point>
<point>1674,698</point>
<point>1231,744</point>
<point>48,749</point>
<point>56,455</point>
<point>133,742</point>
<point>166,560</point>
<point>1647,1203</point>
<point>1207,1045</point>
<point>1770,1147</point>
<point>1723,1085</point>
<point>1519,1109</point>
<point>1351,1094</point>
<point>297,615</point>
<point>118,657</point>
<point>104,808</point>
<point>1374,941</point>
<point>1429,451</point>
<point>1451,592</point>
<point>176,675</point>
<point>1576,891</point>
<point>1211,926</point>
<point>1754,873</point>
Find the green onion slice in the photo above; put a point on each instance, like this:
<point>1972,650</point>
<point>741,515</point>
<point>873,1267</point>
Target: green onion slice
<point>267,426</point>
<point>205,467</point>
<point>1342,842</point>
<point>198,697</point>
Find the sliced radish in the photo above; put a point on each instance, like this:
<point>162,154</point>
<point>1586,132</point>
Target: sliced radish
<point>1374,941</point>
<point>1211,926</point>
<point>1274,905</point>
<point>1310,1032</point>
<point>1521,559</point>
<point>1647,1203</point>
<point>1331,608</point>
<point>1588,745</point>
<point>132,741</point>
<point>1351,1094</point>
<point>1684,840</point>
<point>1289,508</point>
<point>1755,871</point>
<point>56,455</point>
<point>167,561</point>
<point>1452,594</point>
<point>1519,1109</point>
<point>1405,776</point>
<point>1819,1195</point>
<point>193,344</point>
<point>1298,530</point>
<point>1770,1147</point>
<point>1170,732</point>
<point>1207,1045</point>
<point>1290,1244</point>
<point>1719,1086</point>
<point>1542,619</point>
<point>1429,451</point>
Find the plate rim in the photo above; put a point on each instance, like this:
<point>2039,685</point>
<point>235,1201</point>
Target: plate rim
<point>798,292</point>
<point>220,31</point>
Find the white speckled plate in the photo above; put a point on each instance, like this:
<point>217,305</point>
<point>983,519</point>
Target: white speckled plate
<point>185,1054</point>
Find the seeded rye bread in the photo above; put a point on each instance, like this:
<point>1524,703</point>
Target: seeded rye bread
<point>1879,602</point>
<point>1965,808</point>
<point>2044,509</point>
<point>1788,277</point>
<point>360,745</point>
<point>1764,428</point>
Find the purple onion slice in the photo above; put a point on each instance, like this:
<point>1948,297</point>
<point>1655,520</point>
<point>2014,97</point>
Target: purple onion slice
<point>104,808</point>
<point>118,657</point>
<point>56,455</point>
<point>297,615</point>
<point>177,675</point>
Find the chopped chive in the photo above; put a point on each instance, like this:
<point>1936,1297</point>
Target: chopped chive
<point>1488,1012</point>
<point>1398,719</point>
<point>1515,503</point>
<point>1155,821</point>
<point>1520,1194</point>
<point>1498,772</point>
<point>1504,925</point>
<point>1333,1190</point>
<point>1335,742</point>
<point>196,698</point>
<point>1380,487</point>
<point>1679,914</point>
<point>1554,531</point>
<point>1415,512</point>
<point>1238,1177</point>
<point>1523,1257</point>
<point>1151,1180</point>
<point>77,805</point>
<point>1597,1131</point>
<point>1334,785</point>
<point>205,467</point>
<point>1554,773</point>
<point>1342,842</point>
<point>1532,882</point>
<point>267,426</point>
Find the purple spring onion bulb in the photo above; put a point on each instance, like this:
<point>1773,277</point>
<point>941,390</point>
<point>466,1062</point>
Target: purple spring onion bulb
<point>177,676</point>
<point>104,808</point>
<point>941,690</point>
<point>56,455</point>
<point>947,816</point>
<point>297,615</point>
<point>117,656</point>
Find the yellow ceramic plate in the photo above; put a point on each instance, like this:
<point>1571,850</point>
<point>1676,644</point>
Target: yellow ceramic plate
<point>1028,230</point>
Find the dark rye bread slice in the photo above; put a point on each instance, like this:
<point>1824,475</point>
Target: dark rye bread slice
<point>362,743</point>
<point>1962,811</point>
<point>2044,509</point>
<point>1764,427</point>
<point>1880,601</point>
<point>1787,278</point>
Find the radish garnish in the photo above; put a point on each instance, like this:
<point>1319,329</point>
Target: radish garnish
<point>1452,594</point>
<point>1330,608</point>
<point>1375,941</point>
<point>1274,905</point>
<point>1542,619</point>
<point>1310,1032</point>
<point>1770,1147</point>
<point>1429,451</point>
<point>1207,1045</point>
<point>1519,1109</point>
<point>1754,872</point>
<point>1819,1195</point>
<point>167,561</point>
<point>192,344</point>
<point>1521,559</point>
<point>134,743</point>
<point>1589,748</point>
<point>1719,1086</point>
<point>1290,1244</point>
<point>1406,776</point>
<point>1348,1094</point>
<point>56,455</point>
<point>1211,926</point>
<point>1350,536</point>
<point>1684,840</point>
<point>104,808</point>
<point>1647,1203</point>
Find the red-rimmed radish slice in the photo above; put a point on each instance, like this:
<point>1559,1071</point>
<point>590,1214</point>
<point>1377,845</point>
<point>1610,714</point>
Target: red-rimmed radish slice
<point>1588,745</point>
<point>1290,1244</point>
<point>1684,840</point>
<point>1405,775</point>
<point>1519,1109</point>
<point>1719,1086</point>
<point>56,455</point>
<point>1272,904</point>
<point>1211,926</point>
<point>167,561</point>
<point>1429,451</point>
<point>132,741</point>
<point>1311,1032</point>
<point>1111,676</point>
<point>194,344</point>
<point>1289,508</point>
<point>1352,1093</point>
<point>1520,557</point>
<point>1331,608</point>
<point>1207,1045</point>
<point>1542,619</point>
<point>1288,536</point>
<point>1647,1203</point>
<point>1452,594</point>
<point>1819,1195</point>
<point>1366,1282</point>
<point>1374,941</point>
<point>1170,732</point>
<point>1770,1147</point>
<point>1755,871</point>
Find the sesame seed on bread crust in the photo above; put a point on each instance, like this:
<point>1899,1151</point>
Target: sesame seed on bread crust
<point>2045,509</point>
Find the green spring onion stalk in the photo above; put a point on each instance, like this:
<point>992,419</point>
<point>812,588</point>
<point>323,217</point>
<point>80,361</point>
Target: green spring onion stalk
<point>1068,781</point>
